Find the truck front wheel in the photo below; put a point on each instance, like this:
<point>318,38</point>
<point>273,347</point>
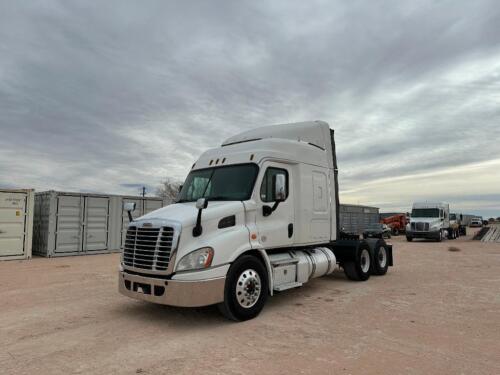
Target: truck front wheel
<point>246,289</point>
<point>440,236</point>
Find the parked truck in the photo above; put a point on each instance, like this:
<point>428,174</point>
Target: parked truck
<point>431,221</point>
<point>256,216</point>
<point>397,223</point>
<point>457,223</point>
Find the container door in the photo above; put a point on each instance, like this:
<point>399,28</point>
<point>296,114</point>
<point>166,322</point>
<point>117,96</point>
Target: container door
<point>137,213</point>
<point>69,224</point>
<point>12,223</point>
<point>95,224</point>
<point>151,205</point>
<point>278,228</point>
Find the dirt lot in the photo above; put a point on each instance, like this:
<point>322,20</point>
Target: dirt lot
<point>437,311</point>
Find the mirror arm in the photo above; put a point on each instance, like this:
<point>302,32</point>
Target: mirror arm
<point>266,210</point>
<point>130,218</point>
<point>198,229</point>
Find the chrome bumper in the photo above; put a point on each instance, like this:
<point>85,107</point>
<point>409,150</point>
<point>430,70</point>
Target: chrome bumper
<point>172,292</point>
<point>427,234</point>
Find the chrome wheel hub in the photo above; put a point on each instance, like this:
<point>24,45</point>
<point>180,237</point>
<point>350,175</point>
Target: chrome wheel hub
<point>248,288</point>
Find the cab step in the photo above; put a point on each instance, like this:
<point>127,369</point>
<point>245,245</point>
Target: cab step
<point>282,287</point>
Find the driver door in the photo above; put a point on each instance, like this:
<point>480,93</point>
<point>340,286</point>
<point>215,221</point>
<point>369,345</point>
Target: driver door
<point>276,229</point>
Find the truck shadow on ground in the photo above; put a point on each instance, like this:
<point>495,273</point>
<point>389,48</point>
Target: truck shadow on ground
<point>191,318</point>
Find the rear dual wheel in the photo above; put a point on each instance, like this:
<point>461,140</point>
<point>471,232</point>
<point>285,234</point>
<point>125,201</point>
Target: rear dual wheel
<point>359,269</point>
<point>380,262</point>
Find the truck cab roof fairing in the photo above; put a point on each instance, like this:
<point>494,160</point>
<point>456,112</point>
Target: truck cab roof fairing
<point>316,133</point>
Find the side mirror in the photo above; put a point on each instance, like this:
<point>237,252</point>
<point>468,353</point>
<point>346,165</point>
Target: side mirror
<point>201,203</point>
<point>129,206</point>
<point>280,192</point>
<point>180,188</point>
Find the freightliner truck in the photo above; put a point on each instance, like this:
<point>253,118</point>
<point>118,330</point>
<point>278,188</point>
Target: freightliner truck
<point>432,221</point>
<point>255,216</point>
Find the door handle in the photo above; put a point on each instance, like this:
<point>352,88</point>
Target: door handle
<point>290,230</point>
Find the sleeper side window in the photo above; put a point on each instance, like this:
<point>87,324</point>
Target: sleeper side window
<point>267,188</point>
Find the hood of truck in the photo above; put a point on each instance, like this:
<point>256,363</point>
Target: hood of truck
<point>431,220</point>
<point>226,241</point>
<point>186,213</point>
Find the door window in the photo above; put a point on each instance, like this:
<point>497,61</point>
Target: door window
<point>267,189</point>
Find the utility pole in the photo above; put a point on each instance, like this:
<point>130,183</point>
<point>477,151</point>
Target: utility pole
<point>144,191</point>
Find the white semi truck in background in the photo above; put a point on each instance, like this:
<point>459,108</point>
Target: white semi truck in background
<point>256,216</point>
<point>432,221</point>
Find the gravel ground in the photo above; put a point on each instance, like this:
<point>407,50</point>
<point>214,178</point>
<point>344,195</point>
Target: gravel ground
<point>437,311</point>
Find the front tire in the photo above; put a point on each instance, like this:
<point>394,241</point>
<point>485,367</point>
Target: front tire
<point>409,239</point>
<point>440,236</point>
<point>246,289</point>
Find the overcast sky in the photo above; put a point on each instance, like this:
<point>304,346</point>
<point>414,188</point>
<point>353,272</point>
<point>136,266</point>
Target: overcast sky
<point>109,96</point>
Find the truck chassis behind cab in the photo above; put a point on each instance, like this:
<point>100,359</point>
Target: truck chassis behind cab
<point>256,216</point>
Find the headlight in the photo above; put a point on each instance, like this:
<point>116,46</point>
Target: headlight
<point>198,259</point>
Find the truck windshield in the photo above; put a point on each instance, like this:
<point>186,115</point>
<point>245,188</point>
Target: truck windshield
<point>228,183</point>
<point>453,216</point>
<point>425,212</point>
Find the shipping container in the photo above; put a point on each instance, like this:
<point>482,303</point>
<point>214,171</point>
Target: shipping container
<point>354,218</point>
<point>81,223</point>
<point>16,223</point>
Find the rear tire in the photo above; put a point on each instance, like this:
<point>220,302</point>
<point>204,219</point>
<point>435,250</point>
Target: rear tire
<point>360,269</point>
<point>246,289</point>
<point>380,260</point>
<point>409,239</point>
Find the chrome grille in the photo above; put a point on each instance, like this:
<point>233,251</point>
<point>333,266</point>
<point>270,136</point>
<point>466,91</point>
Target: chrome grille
<point>420,227</point>
<point>148,248</point>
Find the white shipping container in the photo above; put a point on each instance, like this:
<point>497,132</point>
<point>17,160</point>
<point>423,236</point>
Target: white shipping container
<point>82,223</point>
<point>16,223</point>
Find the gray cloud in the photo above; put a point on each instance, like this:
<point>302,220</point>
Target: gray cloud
<point>105,97</point>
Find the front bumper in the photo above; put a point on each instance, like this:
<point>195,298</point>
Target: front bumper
<point>172,292</point>
<point>429,234</point>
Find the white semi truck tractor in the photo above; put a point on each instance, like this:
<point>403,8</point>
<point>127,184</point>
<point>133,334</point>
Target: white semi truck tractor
<point>432,221</point>
<point>254,217</point>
